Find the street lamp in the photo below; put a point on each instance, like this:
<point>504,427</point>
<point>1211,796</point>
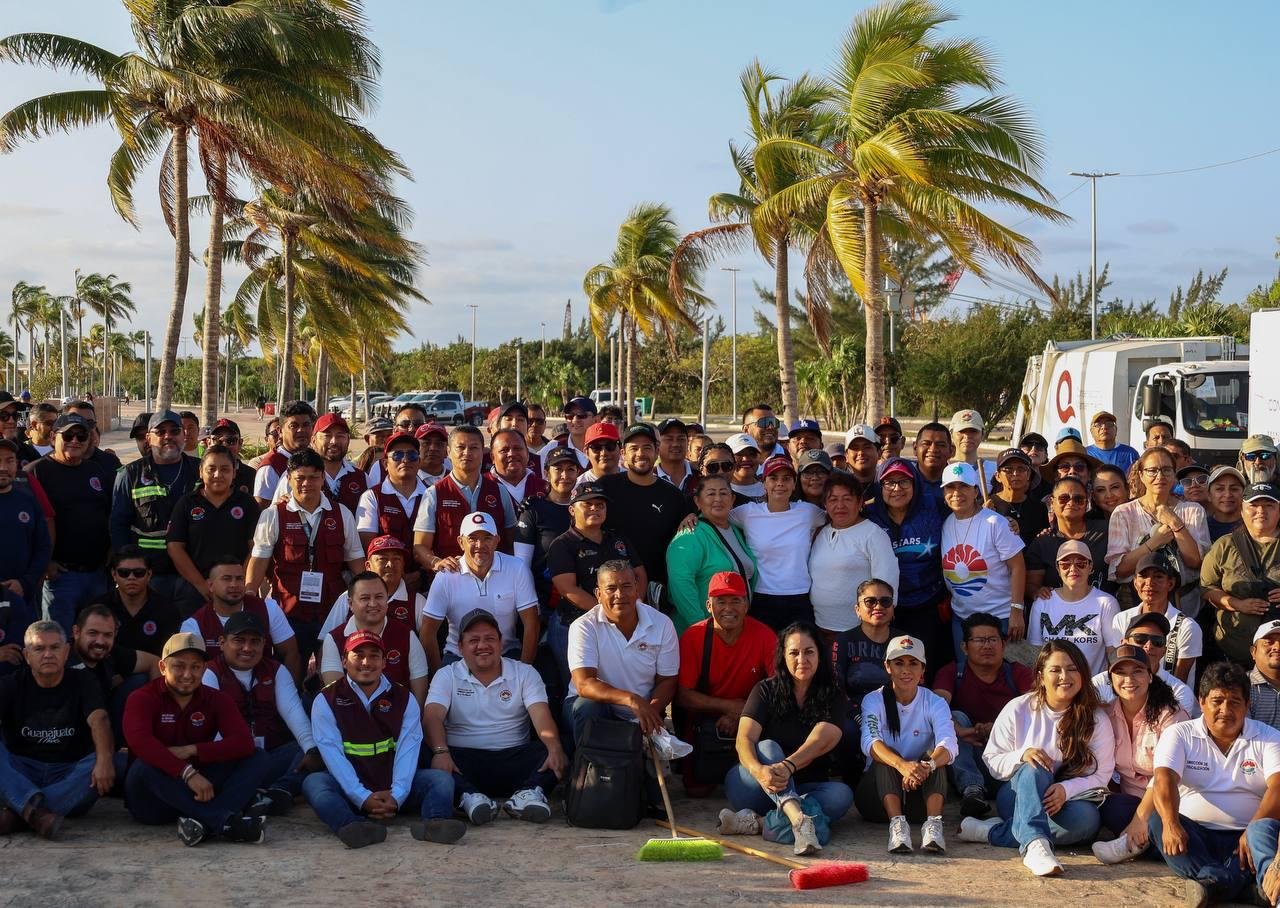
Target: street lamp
<point>544,340</point>
<point>1093,178</point>
<point>473,307</point>
<point>734,342</point>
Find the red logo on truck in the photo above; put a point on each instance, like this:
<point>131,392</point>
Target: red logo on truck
<point>1065,410</point>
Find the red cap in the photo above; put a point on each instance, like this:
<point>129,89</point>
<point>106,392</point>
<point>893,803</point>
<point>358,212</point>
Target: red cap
<point>779,462</point>
<point>602,431</point>
<point>431,428</point>
<point>331,421</point>
<point>727,583</point>
<point>360,638</point>
<point>494,414</point>
<point>399,436</point>
<point>384,544</point>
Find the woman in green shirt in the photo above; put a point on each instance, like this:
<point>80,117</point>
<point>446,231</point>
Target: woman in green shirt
<point>713,545</point>
<point>1240,574</point>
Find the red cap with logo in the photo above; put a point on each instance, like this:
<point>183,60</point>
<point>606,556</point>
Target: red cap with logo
<point>331,421</point>
<point>431,428</point>
<point>727,583</point>
<point>602,431</point>
<point>361,638</point>
<point>398,437</point>
<point>385,544</point>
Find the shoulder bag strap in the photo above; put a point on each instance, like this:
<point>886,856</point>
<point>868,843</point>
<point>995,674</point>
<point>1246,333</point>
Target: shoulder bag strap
<point>1170,651</point>
<point>704,676</point>
<point>1248,552</point>
<point>715,531</point>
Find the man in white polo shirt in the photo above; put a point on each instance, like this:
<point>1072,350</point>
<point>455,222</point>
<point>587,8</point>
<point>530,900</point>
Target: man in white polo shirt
<point>1217,794</point>
<point>477,726</point>
<point>624,657</point>
<point>488,579</point>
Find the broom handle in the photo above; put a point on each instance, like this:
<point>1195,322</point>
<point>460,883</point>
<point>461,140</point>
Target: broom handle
<point>666,798</point>
<point>754,852</point>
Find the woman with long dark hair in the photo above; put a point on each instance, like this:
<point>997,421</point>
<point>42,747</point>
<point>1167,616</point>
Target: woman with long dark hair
<point>788,731</point>
<point>1055,749</point>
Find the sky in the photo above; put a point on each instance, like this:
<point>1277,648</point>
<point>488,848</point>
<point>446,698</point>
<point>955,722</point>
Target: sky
<point>532,128</point>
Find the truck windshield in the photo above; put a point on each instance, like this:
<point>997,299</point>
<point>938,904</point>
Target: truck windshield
<point>1216,404</point>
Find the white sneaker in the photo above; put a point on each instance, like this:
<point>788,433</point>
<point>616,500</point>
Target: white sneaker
<point>478,808</point>
<point>899,836</point>
<point>931,837</point>
<point>528,804</point>
<point>1040,860</point>
<point>975,830</point>
<point>744,822</point>
<point>1117,851</point>
<point>806,837</point>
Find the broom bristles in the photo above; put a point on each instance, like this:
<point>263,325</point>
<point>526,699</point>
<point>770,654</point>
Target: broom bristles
<point>831,873</point>
<point>680,850</point>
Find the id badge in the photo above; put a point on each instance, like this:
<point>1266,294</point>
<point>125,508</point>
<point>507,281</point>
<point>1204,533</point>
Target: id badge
<point>312,584</point>
<point>260,742</point>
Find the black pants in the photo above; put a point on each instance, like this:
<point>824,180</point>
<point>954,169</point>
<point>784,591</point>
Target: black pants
<point>881,780</point>
<point>499,773</point>
<point>778,611</point>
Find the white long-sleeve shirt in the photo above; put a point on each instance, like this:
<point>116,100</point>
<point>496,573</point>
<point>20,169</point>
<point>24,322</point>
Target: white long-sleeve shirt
<point>840,560</point>
<point>324,728</point>
<point>923,725</point>
<point>1021,725</point>
<point>288,703</point>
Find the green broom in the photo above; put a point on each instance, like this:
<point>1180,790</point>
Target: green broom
<point>676,848</point>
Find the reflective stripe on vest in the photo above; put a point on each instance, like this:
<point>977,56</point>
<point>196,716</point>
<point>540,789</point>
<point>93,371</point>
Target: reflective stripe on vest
<point>139,492</point>
<point>386,745</point>
<point>151,542</point>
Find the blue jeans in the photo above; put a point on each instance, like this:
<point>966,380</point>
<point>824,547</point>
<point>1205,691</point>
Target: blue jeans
<point>282,768</point>
<point>1024,818</point>
<point>69,592</point>
<point>743,791</point>
<point>957,636</point>
<point>1118,810</point>
<point>432,790</point>
<point>154,797</point>
<point>66,787</point>
<point>578,710</point>
<point>558,643</point>
<point>1210,856</point>
<point>968,769</point>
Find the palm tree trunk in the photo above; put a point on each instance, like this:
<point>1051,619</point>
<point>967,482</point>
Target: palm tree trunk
<point>364,379</point>
<point>79,345</point>
<point>289,381</point>
<point>628,414</point>
<point>322,381</point>
<point>786,353</point>
<point>875,314</point>
<point>181,271</point>
<point>213,290</point>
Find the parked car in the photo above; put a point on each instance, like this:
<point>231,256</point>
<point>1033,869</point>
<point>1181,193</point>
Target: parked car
<point>388,408</point>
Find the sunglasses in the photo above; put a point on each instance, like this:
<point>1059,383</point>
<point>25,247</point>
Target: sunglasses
<point>410,424</point>
<point>227,439</point>
<point>765,422</point>
<point>402,456</point>
<point>1153,639</point>
<point>1258,455</point>
<point>877,601</point>
<point>575,415</point>
<point>717,466</point>
<point>131,572</point>
<point>8,416</point>
<point>891,439</point>
<point>1071,499</point>
<point>1198,480</point>
<point>1075,563</point>
<point>75,436</point>
<point>608,446</point>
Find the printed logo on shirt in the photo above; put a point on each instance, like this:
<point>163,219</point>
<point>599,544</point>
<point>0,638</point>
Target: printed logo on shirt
<point>268,681</point>
<point>197,513</point>
<point>330,523</point>
<point>401,613</point>
<point>1074,627</point>
<point>505,695</point>
<point>491,501</point>
<point>1248,767</point>
<point>237,512</point>
<point>965,570</point>
<point>384,705</point>
<point>873,725</point>
<point>915,545</point>
<point>463,692</point>
<point>1197,765</point>
<point>48,735</point>
<point>620,547</point>
<point>168,718</point>
<point>450,503</point>
<point>149,628</point>
<point>393,657</point>
<point>95,483</point>
<point>341,701</point>
<point>642,646</point>
<point>197,719</point>
<point>24,517</point>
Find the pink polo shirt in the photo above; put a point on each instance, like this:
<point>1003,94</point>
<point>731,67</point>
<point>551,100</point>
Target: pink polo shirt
<point>1136,745</point>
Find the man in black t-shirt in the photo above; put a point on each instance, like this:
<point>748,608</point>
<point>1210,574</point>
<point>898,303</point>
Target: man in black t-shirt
<point>144,621</point>
<point>56,758</point>
<point>118,670</point>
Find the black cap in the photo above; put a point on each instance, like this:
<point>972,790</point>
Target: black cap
<point>561,454</point>
<point>1262,490</point>
<point>70,421</point>
<point>7,399</point>
<point>1161,561</point>
<point>477,616</point>
<point>1146,619</point>
<point>587,491</point>
<point>814,457</point>
<point>514,406</point>
<point>224,425</point>
<point>1009,454</point>
<point>243,622</point>
<point>8,444</point>
<point>1033,439</point>
<point>1192,468</point>
<point>585,404</point>
<point>640,428</point>
<point>672,423</point>
<point>139,427</point>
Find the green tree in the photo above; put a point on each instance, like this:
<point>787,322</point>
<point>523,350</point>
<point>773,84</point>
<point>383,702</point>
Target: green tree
<point>110,300</point>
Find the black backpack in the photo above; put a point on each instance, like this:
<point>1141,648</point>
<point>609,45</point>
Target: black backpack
<point>607,784</point>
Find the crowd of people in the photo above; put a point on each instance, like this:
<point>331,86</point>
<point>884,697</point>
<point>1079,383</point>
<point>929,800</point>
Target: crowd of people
<point>1077,642</point>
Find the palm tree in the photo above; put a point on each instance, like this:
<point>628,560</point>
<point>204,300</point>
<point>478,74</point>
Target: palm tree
<point>25,300</point>
<point>48,317</point>
<point>793,112</point>
<point>635,284</point>
<point>918,141</point>
<point>109,299</point>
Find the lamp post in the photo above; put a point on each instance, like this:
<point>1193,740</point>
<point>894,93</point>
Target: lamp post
<point>734,341</point>
<point>1093,178</point>
<point>473,307</point>
<point>544,340</point>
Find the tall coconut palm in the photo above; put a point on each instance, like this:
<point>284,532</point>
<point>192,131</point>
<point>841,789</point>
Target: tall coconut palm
<point>25,307</point>
<point>635,284</point>
<point>108,298</point>
<point>790,109</point>
<point>919,140</point>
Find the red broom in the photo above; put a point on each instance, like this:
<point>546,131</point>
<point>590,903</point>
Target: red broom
<point>803,876</point>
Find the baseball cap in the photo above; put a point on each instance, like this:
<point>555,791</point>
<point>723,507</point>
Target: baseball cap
<point>160,417</point>
<point>378,424</point>
<point>8,444</point>
<point>331,422</point>
<point>888,422</point>
<point>400,437</point>
<point>1262,490</point>
<point>477,616</point>
<point>906,645</point>
<point>361,638</point>
<point>1225,470</point>
<point>71,421</point>
<point>776,464</point>
<point>1127,652</point>
<point>967,419</point>
<point>1033,440</point>
<point>1148,619</point>
<point>139,427</point>
<point>511,406</point>
<point>181,643</point>
<point>959,472</point>
<point>7,399</point>
<point>601,431</point>
<point>1009,454</point>
<point>894,465</point>
<point>640,428</point>
<point>863,431</point>
<point>1256,443</point>
<point>727,583</point>
<point>1065,433</point>
<point>740,442</point>
<point>1266,629</point>
<point>672,423</point>
<point>585,404</point>
<point>560,432</point>
<point>225,425</point>
<point>806,425</point>
<point>1102,416</point>
<point>479,522</point>
<point>560,454</point>
<point>385,543</point>
<point>243,622</point>
<point>1073,547</point>
<point>1192,468</point>
<point>588,491</point>
<point>835,449</point>
<point>814,457</point>
<point>1160,560</point>
<point>431,428</point>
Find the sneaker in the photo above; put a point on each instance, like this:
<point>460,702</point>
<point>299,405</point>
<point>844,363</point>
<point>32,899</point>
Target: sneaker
<point>743,822</point>
<point>974,803</point>
<point>806,837</point>
<point>899,836</point>
<point>249,830</point>
<point>931,836</point>
<point>191,832</point>
<point>442,832</point>
<point>479,808</point>
<point>972,830</point>
<point>1195,894</point>
<point>360,833</point>
<point>1040,859</point>
<point>1117,851</point>
<point>281,800</point>
<point>528,804</point>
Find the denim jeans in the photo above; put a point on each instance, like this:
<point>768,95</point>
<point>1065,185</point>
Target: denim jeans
<point>743,791</point>
<point>1210,855</point>
<point>282,768</point>
<point>1024,818</point>
<point>432,792</point>
<point>578,710</point>
<point>1118,810</point>
<point>66,786</point>
<point>968,769</point>
<point>69,592</point>
<point>558,643</point>
<point>498,773</point>
<point>154,797</point>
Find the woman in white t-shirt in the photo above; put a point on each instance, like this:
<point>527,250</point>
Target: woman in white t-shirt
<point>1076,611</point>
<point>846,551</point>
<point>780,532</point>
<point>981,558</point>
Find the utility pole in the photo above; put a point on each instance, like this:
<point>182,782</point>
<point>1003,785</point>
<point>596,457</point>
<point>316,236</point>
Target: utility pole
<point>147,377</point>
<point>62,316</point>
<point>595,343</point>
<point>544,340</point>
<point>1093,178</point>
<point>519,349</point>
<point>706,352</point>
<point>734,343</point>
<point>473,307</point>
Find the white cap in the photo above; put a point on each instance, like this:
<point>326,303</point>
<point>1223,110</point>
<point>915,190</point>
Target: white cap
<point>865,432</point>
<point>959,472</point>
<point>1266,629</point>
<point>479,521</point>
<point>967,419</point>
<point>906,645</point>
<point>740,442</point>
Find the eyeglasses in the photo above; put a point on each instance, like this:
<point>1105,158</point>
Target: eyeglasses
<point>1014,469</point>
<point>403,455</point>
<point>893,485</point>
<point>75,436</point>
<point>1198,480</point>
<point>1080,563</point>
<point>1034,447</point>
<point>1153,472</point>
<point>227,439</point>
<point>8,416</point>
<point>1070,499</point>
<point>603,446</point>
<point>1258,455</point>
<point>984,641</point>
<point>764,422</point>
<point>577,415</point>
<point>411,423</point>
<point>1075,466</point>
<point>891,439</point>
<point>131,572</point>
<point>877,601</point>
<point>1143,639</point>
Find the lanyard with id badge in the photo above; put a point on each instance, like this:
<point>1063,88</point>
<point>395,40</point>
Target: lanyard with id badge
<point>312,580</point>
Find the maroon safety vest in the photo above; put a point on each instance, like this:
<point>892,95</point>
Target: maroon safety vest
<point>350,487</point>
<point>211,627</point>
<point>395,637</point>
<point>258,704</point>
<point>392,520</point>
<point>534,487</point>
<point>400,611</point>
<point>290,559</point>
<point>278,461</point>
<point>369,737</point>
<point>452,506</point>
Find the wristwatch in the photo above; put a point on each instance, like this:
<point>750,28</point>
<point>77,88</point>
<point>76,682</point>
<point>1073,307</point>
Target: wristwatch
<point>437,751</point>
<point>930,763</point>
<point>1016,606</point>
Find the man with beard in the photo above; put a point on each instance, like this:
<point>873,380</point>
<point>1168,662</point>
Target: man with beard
<point>227,597</point>
<point>296,424</point>
<point>343,482</point>
<point>118,670</point>
<point>84,409</point>
<point>1258,459</point>
<point>759,422</point>
<point>23,557</point>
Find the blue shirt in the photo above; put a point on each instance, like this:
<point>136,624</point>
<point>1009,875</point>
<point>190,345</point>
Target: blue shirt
<point>324,728</point>
<point>25,547</point>
<point>1121,456</point>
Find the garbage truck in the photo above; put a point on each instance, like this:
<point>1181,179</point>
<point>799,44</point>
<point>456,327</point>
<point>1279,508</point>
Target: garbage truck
<point>1264,373</point>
